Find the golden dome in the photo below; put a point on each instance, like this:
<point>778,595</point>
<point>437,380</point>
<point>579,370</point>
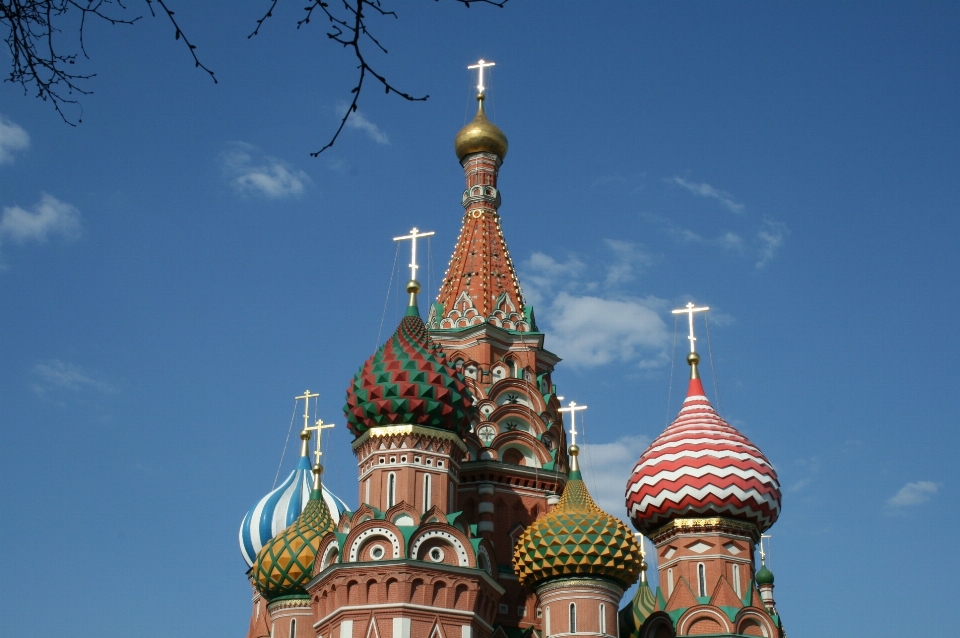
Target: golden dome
<point>480,136</point>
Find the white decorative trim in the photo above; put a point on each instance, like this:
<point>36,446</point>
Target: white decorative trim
<point>462,556</point>
<point>368,533</point>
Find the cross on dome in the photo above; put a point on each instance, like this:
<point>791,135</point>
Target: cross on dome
<point>319,427</point>
<point>306,396</point>
<point>688,310</point>
<point>573,408</point>
<point>414,234</point>
<point>480,66</point>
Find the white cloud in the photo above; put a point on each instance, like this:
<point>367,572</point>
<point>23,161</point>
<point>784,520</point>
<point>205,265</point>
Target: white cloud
<point>913,494</point>
<point>606,468</point>
<point>628,259</point>
<point>359,122</point>
<point>250,170</point>
<point>708,191</point>
<point>769,239</point>
<point>59,375</point>
<point>50,217</point>
<point>12,138</point>
<point>543,274</point>
<point>588,331</point>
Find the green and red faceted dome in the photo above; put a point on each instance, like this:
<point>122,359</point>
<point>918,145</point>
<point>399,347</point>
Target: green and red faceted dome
<point>408,381</point>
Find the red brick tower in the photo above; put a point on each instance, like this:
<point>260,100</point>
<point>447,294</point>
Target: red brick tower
<point>514,467</point>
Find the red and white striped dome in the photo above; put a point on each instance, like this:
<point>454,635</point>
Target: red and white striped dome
<point>702,466</point>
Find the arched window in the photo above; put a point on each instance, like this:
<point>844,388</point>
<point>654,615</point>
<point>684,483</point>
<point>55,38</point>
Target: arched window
<point>573,618</point>
<point>427,492</point>
<point>546,622</point>
<point>391,490</point>
<point>670,581</point>
<point>603,618</point>
<point>293,628</point>
<point>451,494</point>
<point>736,579</point>
<point>701,579</point>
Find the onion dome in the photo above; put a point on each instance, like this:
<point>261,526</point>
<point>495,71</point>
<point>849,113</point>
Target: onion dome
<point>577,539</point>
<point>280,508</point>
<point>285,564</point>
<point>702,466</point>
<point>480,135</point>
<point>408,381</point>
<point>764,576</point>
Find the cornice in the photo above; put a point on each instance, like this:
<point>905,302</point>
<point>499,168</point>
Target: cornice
<point>406,429</point>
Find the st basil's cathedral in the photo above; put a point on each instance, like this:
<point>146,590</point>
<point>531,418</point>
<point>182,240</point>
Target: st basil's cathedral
<point>473,518</point>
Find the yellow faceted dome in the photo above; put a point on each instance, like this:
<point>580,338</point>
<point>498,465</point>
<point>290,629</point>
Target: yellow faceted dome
<point>480,136</point>
<point>285,564</point>
<point>577,539</point>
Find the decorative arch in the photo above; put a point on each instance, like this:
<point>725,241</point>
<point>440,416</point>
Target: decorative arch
<point>703,620</point>
<point>752,623</point>
<point>364,538</point>
<point>521,387</point>
<point>463,558</point>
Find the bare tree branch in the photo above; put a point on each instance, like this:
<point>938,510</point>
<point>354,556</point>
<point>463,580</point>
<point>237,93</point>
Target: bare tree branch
<point>348,27</point>
<point>37,59</point>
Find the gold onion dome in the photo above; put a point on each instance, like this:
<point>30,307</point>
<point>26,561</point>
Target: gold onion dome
<point>577,539</point>
<point>480,136</point>
<point>285,564</point>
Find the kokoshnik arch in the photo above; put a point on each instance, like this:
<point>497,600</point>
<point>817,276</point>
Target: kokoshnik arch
<point>474,520</point>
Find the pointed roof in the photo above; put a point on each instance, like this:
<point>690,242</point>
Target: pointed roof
<point>702,466</point>
<point>481,284</point>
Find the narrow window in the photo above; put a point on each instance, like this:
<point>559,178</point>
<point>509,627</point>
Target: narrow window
<point>603,618</point>
<point>546,622</point>
<point>391,490</point>
<point>427,495</point>
<point>573,618</point>
<point>293,628</point>
<point>451,494</point>
<point>702,579</point>
<point>670,581</point>
<point>736,579</point>
<point>366,492</point>
<point>258,610</point>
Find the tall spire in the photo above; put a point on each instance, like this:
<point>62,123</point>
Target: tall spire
<point>481,283</point>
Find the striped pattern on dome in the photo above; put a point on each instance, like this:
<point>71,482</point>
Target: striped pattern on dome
<point>280,508</point>
<point>702,466</point>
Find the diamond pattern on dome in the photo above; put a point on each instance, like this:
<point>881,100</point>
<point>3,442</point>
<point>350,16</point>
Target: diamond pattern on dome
<point>408,381</point>
<point>285,564</point>
<point>702,466</point>
<point>576,539</point>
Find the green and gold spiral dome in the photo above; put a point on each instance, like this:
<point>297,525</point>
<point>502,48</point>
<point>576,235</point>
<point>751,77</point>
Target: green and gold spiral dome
<point>285,564</point>
<point>577,539</point>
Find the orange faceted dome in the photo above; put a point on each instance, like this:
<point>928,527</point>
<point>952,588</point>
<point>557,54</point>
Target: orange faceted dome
<point>480,136</point>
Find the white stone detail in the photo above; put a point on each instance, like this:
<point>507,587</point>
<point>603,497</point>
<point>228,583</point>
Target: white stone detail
<point>699,547</point>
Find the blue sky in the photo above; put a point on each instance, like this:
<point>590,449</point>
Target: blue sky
<point>177,268</point>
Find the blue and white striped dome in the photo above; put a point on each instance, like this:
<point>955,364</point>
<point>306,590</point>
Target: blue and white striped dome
<point>280,508</point>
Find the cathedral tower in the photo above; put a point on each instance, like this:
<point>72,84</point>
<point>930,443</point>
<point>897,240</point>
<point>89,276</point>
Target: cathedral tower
<point>515,465</point>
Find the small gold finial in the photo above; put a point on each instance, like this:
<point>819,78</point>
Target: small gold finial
<point>694,359</point>
<point>643,558</point>
<point>305,445</point>
<point>317,471</point>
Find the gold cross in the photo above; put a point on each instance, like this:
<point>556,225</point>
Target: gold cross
<point>319,427</point>
<point>306,396</point>
<point>481,65</point>
<point>688,310</point>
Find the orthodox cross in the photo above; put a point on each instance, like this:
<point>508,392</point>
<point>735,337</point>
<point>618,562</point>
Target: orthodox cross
<point>481,65</point>
<point>763,554</point>
<point>414,234</point>
<point>319,427</point>
<point>688,310</point>
<point>306,406</point>
<point>573,408</point>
